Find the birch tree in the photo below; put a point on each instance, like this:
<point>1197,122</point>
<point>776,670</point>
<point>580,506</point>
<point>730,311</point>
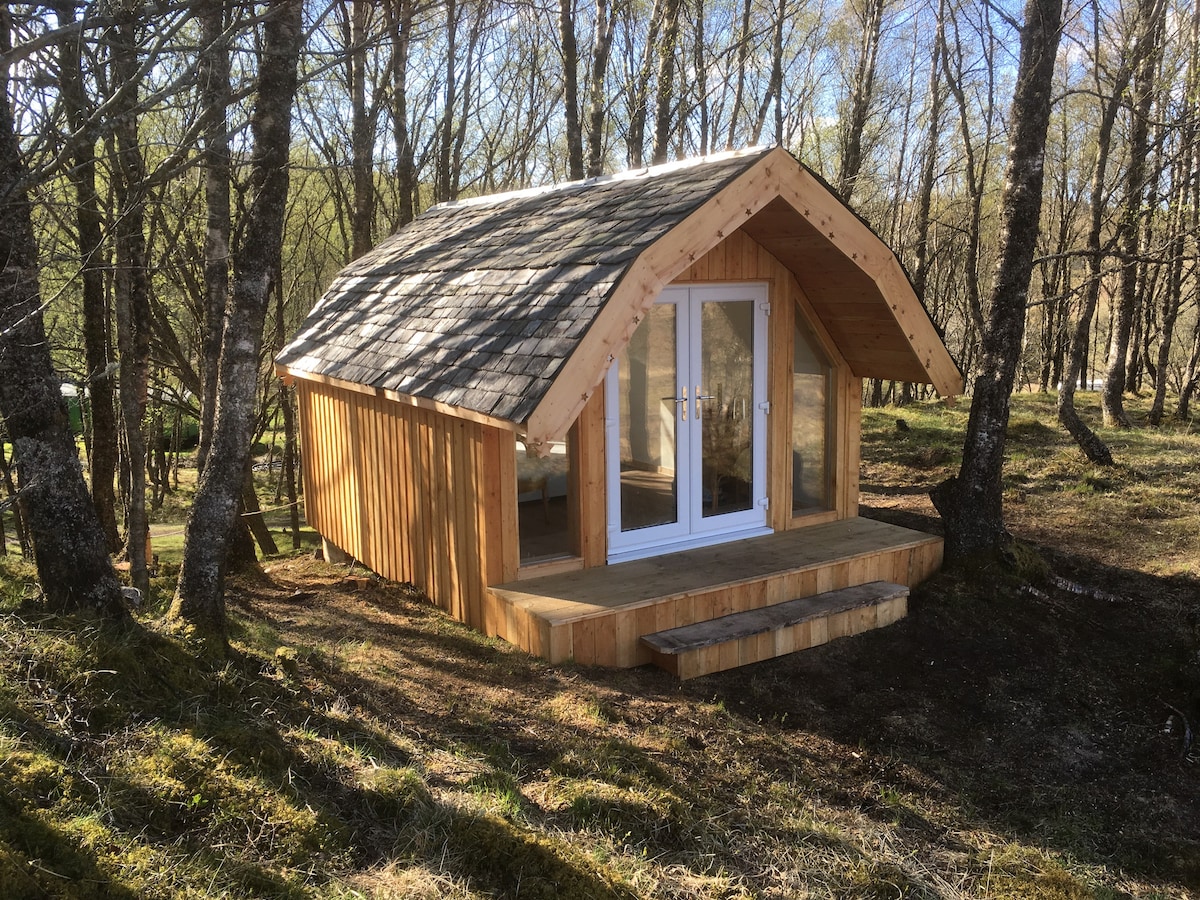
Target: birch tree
<point>199,601</point>
<point>971,503</point>
<point>72,560</point>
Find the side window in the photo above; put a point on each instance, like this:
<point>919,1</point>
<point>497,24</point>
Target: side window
<point>543,503</point>
<point>811,395</point>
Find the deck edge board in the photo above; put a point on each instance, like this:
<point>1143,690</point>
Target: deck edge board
<point>737,626</point>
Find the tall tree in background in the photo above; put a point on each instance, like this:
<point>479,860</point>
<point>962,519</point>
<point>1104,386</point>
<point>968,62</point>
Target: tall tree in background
<point>929,160</point>
<point>570,59</point>
<point>971,503</point>
<point>399,24</point>
<point>69,547</point>
<point>601,49</point>
<point>1129,228</point>
<point>362,126</point>
<point>214,95</point>
<point>98,350</point>
<point>639,90</point>
<point>131,287</point>
<point>862,93</point>
<point>664,94</point>
<point>1187,193</point>
<point>1110,106</point>
<point>199,596</point>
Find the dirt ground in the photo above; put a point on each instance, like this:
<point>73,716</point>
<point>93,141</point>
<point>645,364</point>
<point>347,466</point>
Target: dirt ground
<point>988,720</point>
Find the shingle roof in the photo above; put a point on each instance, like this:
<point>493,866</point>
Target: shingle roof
<point>479,304</point>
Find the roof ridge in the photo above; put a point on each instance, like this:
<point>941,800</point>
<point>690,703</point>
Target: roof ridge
<point>627,175</point>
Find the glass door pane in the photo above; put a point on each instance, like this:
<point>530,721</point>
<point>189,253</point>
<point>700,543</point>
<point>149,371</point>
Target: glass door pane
<point>648,416</point>
<point>725,407</point>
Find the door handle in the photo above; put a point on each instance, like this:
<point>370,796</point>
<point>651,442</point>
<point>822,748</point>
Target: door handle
<point>678,400</point>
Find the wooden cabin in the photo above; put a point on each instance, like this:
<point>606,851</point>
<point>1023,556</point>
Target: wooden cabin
<point>594,417</point>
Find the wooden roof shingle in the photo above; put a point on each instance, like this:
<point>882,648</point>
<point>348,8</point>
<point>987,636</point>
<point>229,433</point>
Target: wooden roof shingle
<point>480,307</point>
<point>478,304</point>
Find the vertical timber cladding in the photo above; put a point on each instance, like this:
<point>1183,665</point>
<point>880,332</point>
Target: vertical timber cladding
<point>740,258</point>
<point>413,494</point>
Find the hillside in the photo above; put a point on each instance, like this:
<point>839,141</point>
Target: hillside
<point>1013,737</point>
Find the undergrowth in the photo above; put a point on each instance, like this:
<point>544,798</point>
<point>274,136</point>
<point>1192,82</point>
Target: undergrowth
<point>356,743</point>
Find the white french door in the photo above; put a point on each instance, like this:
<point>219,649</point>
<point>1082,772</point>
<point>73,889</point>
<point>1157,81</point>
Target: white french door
<point>686,427</point>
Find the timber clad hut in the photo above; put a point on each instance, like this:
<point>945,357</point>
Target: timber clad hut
<point>617,421</point>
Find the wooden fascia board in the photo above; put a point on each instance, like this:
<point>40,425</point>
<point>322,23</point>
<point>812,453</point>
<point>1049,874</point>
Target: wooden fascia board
<point>458,412</point>
<point>858,243</point>
<point>659,264</point>
<point>775,175</point>
<point>918,330</point>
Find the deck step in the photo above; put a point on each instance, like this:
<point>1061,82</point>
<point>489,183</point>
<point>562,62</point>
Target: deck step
<point>758,634</point>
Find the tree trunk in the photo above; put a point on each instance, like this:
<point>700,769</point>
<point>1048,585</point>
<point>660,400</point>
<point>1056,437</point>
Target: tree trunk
<point>860,100</point>
<point>665,88</point>
<point>213,76</point>
<point>1089,442</point>
<point>929,166</point>
<point>1191,377</point>
<point>400,16</point>
<point>362,134</point>
<point>640,94</point>
<point>739,90</point>
<point>700,78</point>
<point>254,518</point>
<point>1112,401</point>
<point>1187,217</point>
<point>570,57</point>
<point>774,90</point>
<point>442,178</point>
<point>976,167</point>
<point>972,502</point>
<point>69,549</point>
<point>199,596</point>
<point>132,289</point>
<point>289,461</point>
<point>605,19</point>
<point>14,502</point>
<point>102,456</point>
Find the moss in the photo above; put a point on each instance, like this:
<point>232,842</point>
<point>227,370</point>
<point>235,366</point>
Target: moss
<point>1029,564</point>
<point>395,795</point>
<point>33,778</point>
<point>654,819</point>
<point>1017,873</point>
<point>500,857</point>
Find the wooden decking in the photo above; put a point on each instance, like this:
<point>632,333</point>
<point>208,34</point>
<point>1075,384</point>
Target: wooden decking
<point>598,616</point>
<point>757,634</point>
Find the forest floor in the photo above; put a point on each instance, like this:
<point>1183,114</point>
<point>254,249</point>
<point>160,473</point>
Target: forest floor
<point>1000,742</point>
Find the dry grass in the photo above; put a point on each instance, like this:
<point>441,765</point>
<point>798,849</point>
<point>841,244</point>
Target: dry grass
<point>1141,514</point>
<point>995,744</point>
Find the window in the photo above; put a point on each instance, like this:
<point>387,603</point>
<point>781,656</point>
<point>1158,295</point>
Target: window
<point>811,393</point>
<point>544,505</point>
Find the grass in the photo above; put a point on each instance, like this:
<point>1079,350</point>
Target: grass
<point>1142,514</point>
<point>995,744</point>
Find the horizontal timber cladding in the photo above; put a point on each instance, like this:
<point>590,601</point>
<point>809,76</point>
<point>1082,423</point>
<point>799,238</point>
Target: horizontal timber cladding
<point>411,493</point>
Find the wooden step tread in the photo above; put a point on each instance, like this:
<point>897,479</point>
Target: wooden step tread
<point>771,618</point>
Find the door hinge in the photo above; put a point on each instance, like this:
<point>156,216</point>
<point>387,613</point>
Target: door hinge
<point>765,503</point>
<point>765,406</point>
<point>765,306</point>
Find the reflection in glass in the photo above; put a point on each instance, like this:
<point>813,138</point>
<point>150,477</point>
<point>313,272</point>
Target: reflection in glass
<point>544,485</point>
<point>725,405</point>
<point>648,417</point>
<point>810,425</point>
